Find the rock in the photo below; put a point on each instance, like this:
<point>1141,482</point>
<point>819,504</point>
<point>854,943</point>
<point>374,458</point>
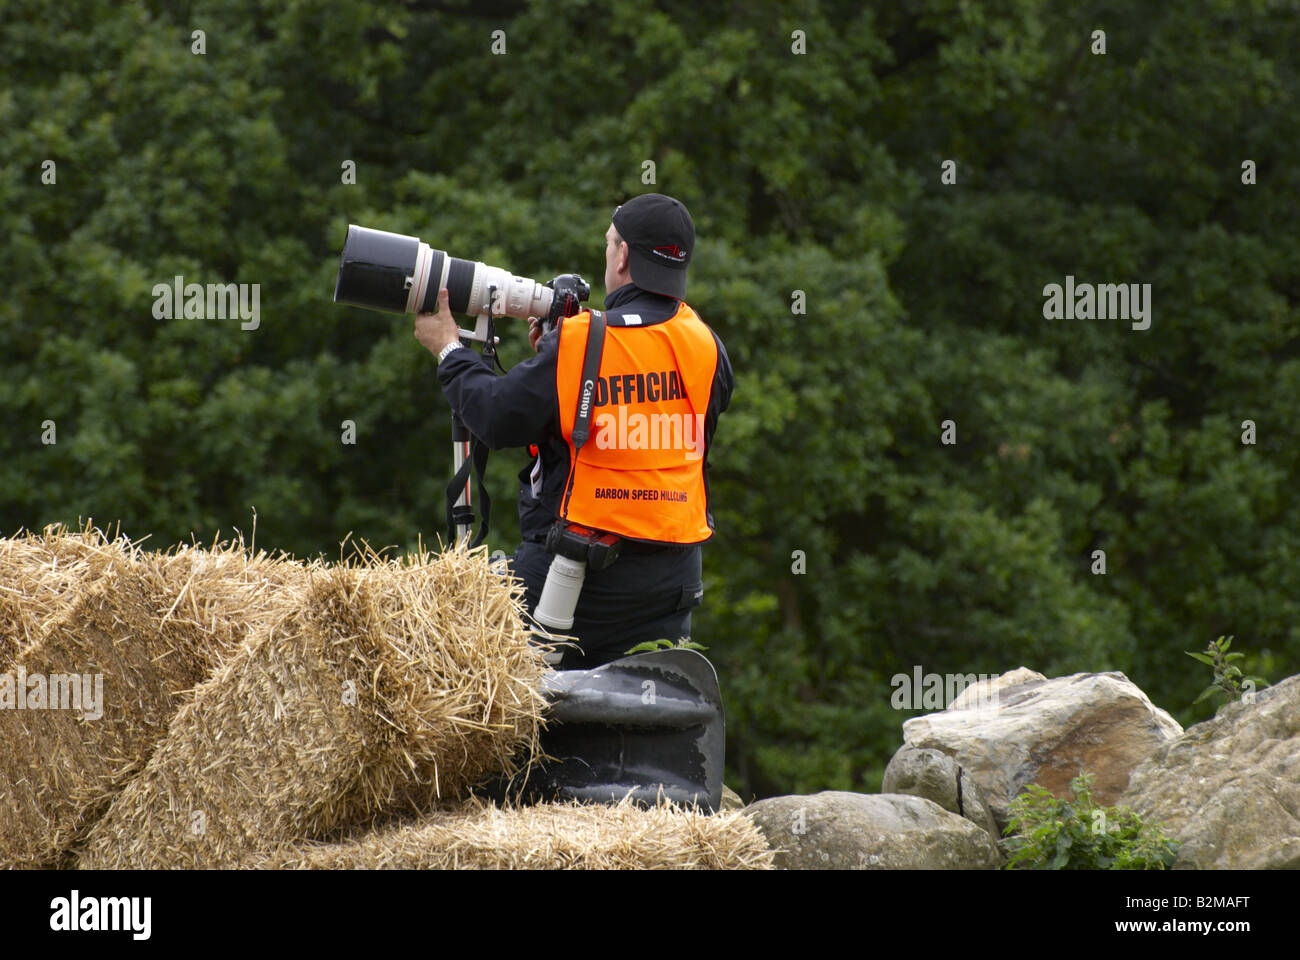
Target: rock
<point>1229,788</point>
<point>938,777</point>
<point>730,799</point>
<point>1022,728</point>
<point>835,830</point>
<point>986,690</point>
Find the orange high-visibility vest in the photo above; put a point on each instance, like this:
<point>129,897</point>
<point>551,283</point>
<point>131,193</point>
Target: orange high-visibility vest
<point>640,473</point>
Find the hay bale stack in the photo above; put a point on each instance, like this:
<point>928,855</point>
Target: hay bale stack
<point>41,576</point>
<point>391,685</point>
<point>152,627</point>
<point>546,837</point>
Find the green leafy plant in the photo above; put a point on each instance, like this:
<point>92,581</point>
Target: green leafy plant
<point>1228,678</point>
<point>1078,834</point>
<point>664,644</point>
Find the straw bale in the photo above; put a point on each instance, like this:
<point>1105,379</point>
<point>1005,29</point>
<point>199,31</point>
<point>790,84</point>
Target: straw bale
<point>41,577</point>
<point>153,626</point>
<point>57,765</point>
<point>392,685</point>
<point>482,836</point>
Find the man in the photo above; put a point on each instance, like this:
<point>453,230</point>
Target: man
<point>664,372</point>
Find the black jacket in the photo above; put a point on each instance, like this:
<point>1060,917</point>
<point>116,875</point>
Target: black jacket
<point>522,407</point>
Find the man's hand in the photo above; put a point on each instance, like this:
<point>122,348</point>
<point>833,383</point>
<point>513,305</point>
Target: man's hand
<point>436,330</point>
<point>534,332</point>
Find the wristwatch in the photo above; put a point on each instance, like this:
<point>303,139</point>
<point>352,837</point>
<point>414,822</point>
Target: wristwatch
<point>448,349</point>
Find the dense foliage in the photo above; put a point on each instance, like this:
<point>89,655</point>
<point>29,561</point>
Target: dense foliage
<point>818,171</point>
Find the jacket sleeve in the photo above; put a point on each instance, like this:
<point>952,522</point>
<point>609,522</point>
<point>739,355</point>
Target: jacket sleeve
<point>512,410</point>
<point>724,382</point>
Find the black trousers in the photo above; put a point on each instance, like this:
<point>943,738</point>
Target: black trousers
<point>644,595</point>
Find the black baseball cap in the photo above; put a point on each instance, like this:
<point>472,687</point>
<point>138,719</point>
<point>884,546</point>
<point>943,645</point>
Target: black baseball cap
<point>660,237</point>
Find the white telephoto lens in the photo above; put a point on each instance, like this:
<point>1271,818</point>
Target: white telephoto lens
<point>560,593</point>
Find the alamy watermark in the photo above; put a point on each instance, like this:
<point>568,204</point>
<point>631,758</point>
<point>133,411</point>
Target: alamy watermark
<point>75,913</point>
<point>1101,301</point>
<point>213,301</point>
<point>935,691</point>
<point>58,691</point>
<point>655,431</point>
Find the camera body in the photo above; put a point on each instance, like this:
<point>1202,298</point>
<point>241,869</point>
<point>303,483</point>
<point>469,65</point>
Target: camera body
<point>570,293</point>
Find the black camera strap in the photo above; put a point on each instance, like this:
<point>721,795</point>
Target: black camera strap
<point>586,396</point>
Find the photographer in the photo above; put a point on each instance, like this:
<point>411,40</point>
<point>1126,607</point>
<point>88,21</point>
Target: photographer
<point>660,364</point>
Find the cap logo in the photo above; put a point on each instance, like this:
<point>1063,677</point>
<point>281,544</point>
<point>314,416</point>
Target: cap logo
<point>671,251</point>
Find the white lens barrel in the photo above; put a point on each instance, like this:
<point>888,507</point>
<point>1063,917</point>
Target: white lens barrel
<point>560,593</point>
<point>527,298</point>
<point>520,297</point>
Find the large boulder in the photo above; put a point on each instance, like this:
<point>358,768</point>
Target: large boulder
<point>1229,788</point>
<point>936,776</point>
<point>1022,728</point>
<point>835,830</point>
